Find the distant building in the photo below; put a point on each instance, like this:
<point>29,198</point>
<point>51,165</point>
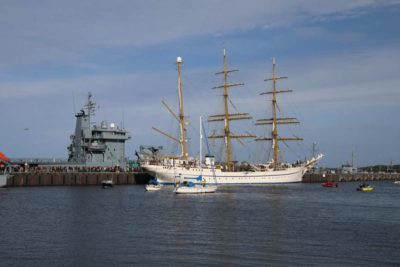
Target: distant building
<point>349,169</point>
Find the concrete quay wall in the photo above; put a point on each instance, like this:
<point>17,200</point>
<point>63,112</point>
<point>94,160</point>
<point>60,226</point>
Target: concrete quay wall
<point>131,178</point>
<point>319,178</point>
<point>76,178</point>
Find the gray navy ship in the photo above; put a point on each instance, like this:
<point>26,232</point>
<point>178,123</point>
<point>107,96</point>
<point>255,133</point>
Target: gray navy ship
<point>98,145</point>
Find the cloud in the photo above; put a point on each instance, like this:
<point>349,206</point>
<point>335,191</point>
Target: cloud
<point>367,76</point>
<point>315,31</point>
<point>37,32</point>
<point>49,34</point>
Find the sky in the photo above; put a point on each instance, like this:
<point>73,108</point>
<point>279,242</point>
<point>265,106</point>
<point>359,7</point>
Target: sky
<point>342,58</point>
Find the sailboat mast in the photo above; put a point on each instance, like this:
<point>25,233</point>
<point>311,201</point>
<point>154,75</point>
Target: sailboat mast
<point>182,124</point>
<point>201,144</point>
<point>226,111</point>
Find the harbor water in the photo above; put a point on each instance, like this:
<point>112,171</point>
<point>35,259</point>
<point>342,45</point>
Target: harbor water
<point>274,225</point>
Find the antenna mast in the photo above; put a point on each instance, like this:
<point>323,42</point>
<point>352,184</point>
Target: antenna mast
<point>89,108</point>
<point>275,120</point>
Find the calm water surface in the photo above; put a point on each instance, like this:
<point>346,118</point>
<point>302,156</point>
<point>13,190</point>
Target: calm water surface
<point>281,225</point>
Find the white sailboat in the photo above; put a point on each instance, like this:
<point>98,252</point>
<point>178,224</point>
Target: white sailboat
<point>191,188</point>
<point>273,172</point>
<point>153,185</point>
<point>195,189</point>
<point>107,183</point>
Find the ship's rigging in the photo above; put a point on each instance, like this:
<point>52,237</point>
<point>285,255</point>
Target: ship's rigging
<point>179,117</point>
<point>227,117</point>
<point>275,121</point>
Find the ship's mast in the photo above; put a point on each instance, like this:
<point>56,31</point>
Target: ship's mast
<point>180,117</point>
<point>182,124</point>
<point>275,120</point>
<point>227,117</point>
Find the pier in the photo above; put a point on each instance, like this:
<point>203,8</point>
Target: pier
<point>132,178</point>
<point>341,177</point>
<point>75,178</point>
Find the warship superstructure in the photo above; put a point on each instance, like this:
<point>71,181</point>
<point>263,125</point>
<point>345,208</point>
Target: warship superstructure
<point>98,145</point>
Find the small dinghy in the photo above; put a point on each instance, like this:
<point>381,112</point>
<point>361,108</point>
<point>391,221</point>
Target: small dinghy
<point>153,185</point>
<point>330,184</point>
<point>107,183</point>
<point>365,187</point>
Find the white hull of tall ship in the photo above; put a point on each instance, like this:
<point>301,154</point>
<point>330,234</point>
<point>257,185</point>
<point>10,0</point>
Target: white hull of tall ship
<point>3,180</point>
<point>171,173</point>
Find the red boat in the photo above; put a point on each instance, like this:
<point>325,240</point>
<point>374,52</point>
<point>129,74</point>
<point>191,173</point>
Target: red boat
<point>330,184</point>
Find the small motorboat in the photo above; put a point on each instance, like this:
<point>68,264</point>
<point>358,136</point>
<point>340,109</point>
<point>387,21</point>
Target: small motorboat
<point>107,183</point>
<point>330,184</point>
<point>396,182</point>
<point>191,188</point>
<point>153,185</point>
<point>365,187</point>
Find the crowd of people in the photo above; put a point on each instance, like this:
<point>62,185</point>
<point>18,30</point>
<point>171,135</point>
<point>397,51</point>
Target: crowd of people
<point>67,168</point>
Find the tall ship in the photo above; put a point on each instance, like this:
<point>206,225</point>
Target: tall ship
<point>99,144</point>
<point>169,169</point>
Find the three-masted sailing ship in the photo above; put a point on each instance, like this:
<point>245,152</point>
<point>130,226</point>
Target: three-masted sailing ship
<point>168,168</point>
